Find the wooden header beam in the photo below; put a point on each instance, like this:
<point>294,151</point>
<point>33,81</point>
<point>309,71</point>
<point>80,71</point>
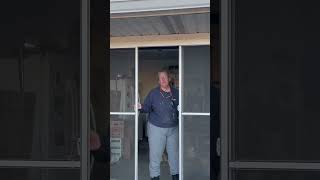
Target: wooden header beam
<point>160,40</point>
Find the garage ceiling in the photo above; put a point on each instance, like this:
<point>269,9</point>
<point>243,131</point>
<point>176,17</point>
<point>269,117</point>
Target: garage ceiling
<point>160,25</point>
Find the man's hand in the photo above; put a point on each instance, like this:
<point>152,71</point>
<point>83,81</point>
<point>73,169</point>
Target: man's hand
<point>139,106</point>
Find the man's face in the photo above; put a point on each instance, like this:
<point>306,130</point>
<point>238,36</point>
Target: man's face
<point>163,79</point>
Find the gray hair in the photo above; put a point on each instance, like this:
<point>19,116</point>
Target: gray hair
<point>164,71</point>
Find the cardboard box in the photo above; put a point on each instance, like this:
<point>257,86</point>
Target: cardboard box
<point>117,129</point>
<point>116,149</point>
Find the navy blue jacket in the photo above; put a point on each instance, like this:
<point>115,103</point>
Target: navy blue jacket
<point>162,107</point>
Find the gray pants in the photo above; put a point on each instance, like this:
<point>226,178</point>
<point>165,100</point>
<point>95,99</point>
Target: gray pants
<point>159,139</point>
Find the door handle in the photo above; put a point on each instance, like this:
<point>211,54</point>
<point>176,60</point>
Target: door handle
<point>218,147</point>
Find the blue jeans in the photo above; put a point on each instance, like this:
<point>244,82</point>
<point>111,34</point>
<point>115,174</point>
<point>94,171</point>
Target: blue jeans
<point>159,139</point>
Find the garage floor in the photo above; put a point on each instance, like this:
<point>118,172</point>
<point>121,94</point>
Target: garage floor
<point>124,169</point>
<point>144,164</point>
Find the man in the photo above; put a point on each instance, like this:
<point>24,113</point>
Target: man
<point>163,132</point>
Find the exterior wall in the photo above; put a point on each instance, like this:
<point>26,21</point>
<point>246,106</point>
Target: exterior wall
<point>127,6</point>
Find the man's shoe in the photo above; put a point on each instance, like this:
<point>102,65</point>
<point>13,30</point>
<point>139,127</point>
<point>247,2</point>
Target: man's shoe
<point>156,178</point>
<point>175,177</point>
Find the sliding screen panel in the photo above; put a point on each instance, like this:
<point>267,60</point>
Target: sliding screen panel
<point>195,112</point>
<point>196,79</point>
<point>40,81</point>
<point>122,113</point>
<point>276,89</point>
<point>196,147</point>
<point>122,80</point>
<point>122,147</point>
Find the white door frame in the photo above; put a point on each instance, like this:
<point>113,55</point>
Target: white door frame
<point>181,113</point>
<point>136,132</point>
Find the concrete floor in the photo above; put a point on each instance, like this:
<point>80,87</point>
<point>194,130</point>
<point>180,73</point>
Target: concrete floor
<point>144,164</point>
<point>124,169</point>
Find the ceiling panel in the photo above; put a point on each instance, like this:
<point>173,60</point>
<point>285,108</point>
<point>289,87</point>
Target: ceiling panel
<point>161,25</point>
